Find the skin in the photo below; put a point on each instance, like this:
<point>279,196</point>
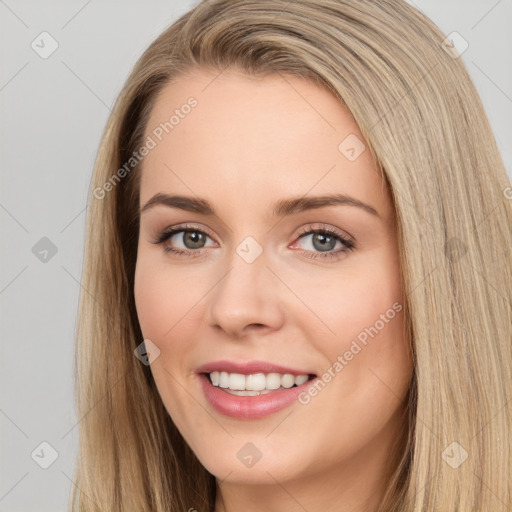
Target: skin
<point>249,143</point>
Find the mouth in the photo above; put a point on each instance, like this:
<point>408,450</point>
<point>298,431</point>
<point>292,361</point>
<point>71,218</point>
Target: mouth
<point>256,384</point>
<point>251,396</point>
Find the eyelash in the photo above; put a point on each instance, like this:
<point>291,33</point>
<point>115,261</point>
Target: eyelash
<point>168,233</point>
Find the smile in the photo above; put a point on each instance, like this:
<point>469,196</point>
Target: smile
<point>251,390</point>
<point>255,384</point>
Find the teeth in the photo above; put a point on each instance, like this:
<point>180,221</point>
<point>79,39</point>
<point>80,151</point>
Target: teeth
<point>236,381</point>
<point>300,379</point>
<point>273,381</point>
<point>223,379</point>
<point>254,383</point>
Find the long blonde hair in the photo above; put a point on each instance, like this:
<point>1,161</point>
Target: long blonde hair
<point>425,125</point>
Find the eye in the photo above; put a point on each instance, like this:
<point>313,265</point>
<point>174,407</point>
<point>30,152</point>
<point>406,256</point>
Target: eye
<point>321,242</point>
<point>191,237</point>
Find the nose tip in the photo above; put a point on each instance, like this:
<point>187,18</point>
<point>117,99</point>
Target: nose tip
<point>246,299</point>
<point>238,330</point>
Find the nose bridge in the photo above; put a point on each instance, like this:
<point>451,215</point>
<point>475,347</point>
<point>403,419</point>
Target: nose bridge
<point>247,294</point>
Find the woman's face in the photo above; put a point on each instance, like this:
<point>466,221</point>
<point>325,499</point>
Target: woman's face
<point>261,289</point>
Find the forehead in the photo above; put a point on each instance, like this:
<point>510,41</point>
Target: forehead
<point>231,100</point>
<point>258,137</point>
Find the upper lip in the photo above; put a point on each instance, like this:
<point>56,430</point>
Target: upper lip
<point>248,367</point>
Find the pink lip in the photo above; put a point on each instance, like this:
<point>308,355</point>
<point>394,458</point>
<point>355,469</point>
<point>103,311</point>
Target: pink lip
<point>248,367</point>
<point>249,407</point>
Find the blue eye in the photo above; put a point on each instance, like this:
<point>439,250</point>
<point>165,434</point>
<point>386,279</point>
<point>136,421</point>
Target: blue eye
<point>321,245</point>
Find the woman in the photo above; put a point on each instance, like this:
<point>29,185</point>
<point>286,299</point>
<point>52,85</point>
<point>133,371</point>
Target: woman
<point>297,272</point>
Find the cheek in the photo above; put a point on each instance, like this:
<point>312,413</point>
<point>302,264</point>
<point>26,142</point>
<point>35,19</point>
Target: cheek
<point>150,299</point>
<point>165,311</point>
<point>365,314</point>
<point>355,300</point>
<point>162,297</point>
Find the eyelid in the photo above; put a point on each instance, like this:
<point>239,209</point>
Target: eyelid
<point>327,228</point>
<point>302,231</point>
<point>167,232</point>
<point>347,241</point>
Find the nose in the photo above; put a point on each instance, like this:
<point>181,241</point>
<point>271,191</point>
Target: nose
<point>246,298</point>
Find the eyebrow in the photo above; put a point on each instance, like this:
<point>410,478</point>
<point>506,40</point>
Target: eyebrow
<point>282,208</point>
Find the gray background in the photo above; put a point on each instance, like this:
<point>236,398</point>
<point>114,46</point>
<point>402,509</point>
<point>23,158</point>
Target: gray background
<point>53,112</point>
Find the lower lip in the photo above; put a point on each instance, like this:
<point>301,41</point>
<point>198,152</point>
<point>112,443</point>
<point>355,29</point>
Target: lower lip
<point>250,407</point>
